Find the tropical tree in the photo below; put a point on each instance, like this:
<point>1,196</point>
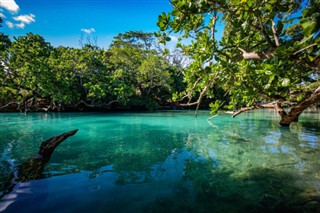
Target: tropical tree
<point>6,90</point>
<point>132,73</point>
<point>142,75</point>
<point>83,77</point>
<point>26,75</point>
<point>268,55</point>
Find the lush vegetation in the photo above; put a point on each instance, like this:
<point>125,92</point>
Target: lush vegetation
<point>132,74</point>
<point>268,55</point>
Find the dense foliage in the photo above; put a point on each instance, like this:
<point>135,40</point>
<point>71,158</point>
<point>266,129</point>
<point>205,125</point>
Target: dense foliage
<point>269,52</point>
<point>132,74</point>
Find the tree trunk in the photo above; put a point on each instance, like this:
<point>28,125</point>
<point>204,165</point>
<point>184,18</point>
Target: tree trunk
<point>293,115</point>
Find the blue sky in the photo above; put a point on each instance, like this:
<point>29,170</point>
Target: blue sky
<point>61,22</point>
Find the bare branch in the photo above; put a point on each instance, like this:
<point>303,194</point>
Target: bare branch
<point>189,95</point>
<point>104,105</point>
<point>303,49</point>
<point>221,113</point>
<point>254,55</point>
<point>274,30</point>
<point>200,97</point>
<point>256,106</point>
<point>8,104</point>
<point>265,34</point>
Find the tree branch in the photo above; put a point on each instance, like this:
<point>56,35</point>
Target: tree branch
<point>274,31</point>
<point>8,104</point>
<point>254,55</point>
<point>189,95</point>
<point>265,34</point>
<point>256,106</point>
<point>221,113</point>
<point>104,105</point>
<point>303,49</point>
<point>200,97</point>
<point>280,109</point>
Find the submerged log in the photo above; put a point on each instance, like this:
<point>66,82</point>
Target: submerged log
<point>33,168</point>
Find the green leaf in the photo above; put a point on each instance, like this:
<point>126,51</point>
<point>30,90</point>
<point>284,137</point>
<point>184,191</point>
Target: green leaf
<point>285,82</point>
<point>308,26</point>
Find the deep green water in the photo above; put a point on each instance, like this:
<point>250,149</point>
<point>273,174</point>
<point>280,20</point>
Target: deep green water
<point>164,162</point>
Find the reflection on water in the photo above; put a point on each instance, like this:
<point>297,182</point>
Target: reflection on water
<point>165,162</point>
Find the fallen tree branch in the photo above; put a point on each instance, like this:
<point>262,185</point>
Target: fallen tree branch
<point>47,147</point>
<point>33,168</point>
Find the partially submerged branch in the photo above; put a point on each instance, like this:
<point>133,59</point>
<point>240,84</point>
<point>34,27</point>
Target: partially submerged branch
<point>47,147</point>
<point>32,168</point>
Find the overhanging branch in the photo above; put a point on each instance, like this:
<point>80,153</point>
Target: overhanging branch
<point>256,106</point>
<point>255,55</point>
<point>203,92</point>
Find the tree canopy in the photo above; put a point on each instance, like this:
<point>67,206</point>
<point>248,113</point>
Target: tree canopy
<point>268,53</point>
<point>132,74</point>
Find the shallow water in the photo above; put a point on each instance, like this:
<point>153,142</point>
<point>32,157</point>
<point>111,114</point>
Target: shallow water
<point>164,162</point>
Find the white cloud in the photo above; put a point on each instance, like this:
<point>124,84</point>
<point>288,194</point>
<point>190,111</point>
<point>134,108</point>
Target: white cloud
<point>26,19</point>
<point>10,24</point>
<point>174,38</point>
<point>21,25</point>
<point>2,15</point>
<point>9,5</point>
<point>89,31</point>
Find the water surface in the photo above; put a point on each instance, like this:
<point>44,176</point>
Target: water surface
<point>164,162</point>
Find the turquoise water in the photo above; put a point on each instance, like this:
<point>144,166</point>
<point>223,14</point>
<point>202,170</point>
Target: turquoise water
<point>164,162</point>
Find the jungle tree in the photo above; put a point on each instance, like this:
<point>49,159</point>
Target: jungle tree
<point>26,76</point>
<point>5,89</point>
<point>142,76</point>
<point>269,52</point>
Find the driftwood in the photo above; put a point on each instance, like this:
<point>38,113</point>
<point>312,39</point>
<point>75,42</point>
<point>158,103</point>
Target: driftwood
<point>33,168</point>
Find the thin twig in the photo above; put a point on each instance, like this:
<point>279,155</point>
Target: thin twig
<point>303,49</point>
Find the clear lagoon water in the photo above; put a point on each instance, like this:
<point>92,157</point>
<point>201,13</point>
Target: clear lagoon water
<point>167,161</point>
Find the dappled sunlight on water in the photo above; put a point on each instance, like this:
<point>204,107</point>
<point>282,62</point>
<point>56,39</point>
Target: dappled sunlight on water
<point>165,162</point>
